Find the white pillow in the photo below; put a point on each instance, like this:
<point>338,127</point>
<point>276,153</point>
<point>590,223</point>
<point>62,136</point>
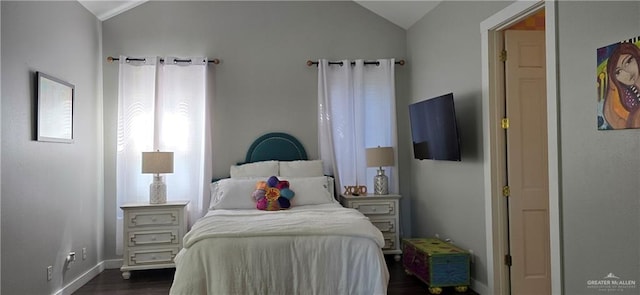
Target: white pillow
<point>257,169</point>
<point>233,193</point>
<point>310,190</point>
<point>301,168</point>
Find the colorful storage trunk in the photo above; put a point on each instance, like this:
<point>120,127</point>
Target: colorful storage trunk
<point>437,263</point>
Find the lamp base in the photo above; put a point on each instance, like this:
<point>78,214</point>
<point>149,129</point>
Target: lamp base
<point>380,183</point>
<point>157,191</point>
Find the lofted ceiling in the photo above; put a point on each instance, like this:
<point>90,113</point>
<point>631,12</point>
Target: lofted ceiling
<point>104,10</point>
<point>401,13</point>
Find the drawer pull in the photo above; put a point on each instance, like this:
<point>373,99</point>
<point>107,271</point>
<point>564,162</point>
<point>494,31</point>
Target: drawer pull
<point>378,209</point>
<point>162,236</point>
<point>384,225</point>
<point>153,256</point>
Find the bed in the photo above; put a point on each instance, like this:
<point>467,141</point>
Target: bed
<point>314,247</point>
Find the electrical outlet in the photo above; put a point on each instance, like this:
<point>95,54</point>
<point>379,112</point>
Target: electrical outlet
<point>84,253</point>
<point>49,273</point>
<point>471,256</point>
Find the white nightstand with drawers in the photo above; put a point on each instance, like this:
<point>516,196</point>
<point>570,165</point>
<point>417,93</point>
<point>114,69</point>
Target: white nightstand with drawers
<point>384,212</point>
<point>152,235</point>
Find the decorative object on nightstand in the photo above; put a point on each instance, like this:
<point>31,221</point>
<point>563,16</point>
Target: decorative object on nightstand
<point>380,157</point>
<point>152,235</point>
<point>384,213</point>
<point>355,190</point>
<point>156,163</point>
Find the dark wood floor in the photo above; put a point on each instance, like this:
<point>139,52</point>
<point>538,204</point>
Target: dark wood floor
<point>159,281</point>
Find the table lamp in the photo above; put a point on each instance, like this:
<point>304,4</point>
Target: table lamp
<point>380,157</point>
<point>156,163</point>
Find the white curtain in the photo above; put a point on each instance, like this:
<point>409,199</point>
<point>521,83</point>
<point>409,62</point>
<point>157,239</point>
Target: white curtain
<point>357,110</point>
<point>162,106</point>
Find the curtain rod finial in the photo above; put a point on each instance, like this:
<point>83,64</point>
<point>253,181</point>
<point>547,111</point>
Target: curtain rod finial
<point>309,63</point>
<point>216,61</point>
<point>110,58</point>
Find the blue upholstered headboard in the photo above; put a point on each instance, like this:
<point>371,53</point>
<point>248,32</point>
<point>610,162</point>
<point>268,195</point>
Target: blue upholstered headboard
<point>276,146</point>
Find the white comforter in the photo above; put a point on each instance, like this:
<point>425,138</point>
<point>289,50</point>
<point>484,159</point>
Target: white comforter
<point>319,249</point>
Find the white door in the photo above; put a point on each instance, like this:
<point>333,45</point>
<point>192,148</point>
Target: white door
<point>527,162</point>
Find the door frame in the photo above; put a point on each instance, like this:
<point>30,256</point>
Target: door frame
<point>494,141</point>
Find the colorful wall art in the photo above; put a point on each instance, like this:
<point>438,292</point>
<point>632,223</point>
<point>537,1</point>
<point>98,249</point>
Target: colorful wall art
<point>618,84</point>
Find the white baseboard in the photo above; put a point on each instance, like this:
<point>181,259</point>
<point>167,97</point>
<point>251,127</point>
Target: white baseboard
<point>88,275</point>
<point>112,263</point>
<point>480,288</point>
<point>81,280</point>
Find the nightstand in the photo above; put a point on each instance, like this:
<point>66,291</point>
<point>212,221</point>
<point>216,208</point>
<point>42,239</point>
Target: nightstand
<point>152,235</point>
<point>384,212</point>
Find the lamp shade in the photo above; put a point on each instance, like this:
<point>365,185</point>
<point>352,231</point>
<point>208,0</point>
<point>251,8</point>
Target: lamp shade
<point>380,156</point>
<point>157,162</point>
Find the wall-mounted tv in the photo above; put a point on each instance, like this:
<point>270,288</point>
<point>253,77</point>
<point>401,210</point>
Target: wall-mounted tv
<point>434,129</point>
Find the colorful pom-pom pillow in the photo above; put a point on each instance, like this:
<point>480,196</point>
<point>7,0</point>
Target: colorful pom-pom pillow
<point>273,194</point>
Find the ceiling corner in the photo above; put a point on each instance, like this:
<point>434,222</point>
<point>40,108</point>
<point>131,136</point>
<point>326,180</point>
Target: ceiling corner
<point>402,13</point>
<point>104,10</point>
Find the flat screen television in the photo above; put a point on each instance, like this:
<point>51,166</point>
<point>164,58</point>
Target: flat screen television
<point>434,129</point>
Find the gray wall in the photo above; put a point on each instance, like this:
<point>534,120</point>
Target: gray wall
<point>263,47</point>
<point>447,197</point>
<point>600,190</point>
<point>0,152</point>
<point>50,193</point>
<point>599,185</point>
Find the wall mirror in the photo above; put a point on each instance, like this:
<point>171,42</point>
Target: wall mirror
<point>55,109</point>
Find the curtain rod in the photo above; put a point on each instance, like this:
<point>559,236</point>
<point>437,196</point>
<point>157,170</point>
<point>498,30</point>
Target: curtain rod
<point>111,59</point>
<point>310,63</point>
